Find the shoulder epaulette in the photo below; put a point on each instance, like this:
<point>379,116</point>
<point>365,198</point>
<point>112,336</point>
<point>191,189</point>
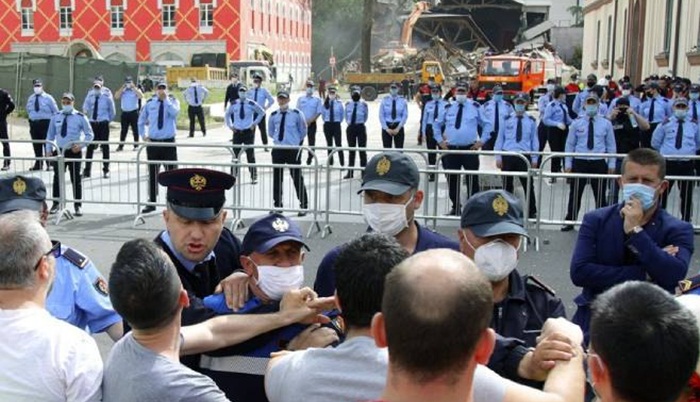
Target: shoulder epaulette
<point>538,283</point>
<point>75,257</point>
<point>274,113</point>
<point>152,98</point>
<point>79,113</point>
<point>530,116</point>
<point>296,111</point>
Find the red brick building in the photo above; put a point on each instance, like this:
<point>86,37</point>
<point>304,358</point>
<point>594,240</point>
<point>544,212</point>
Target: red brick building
<point>161,30</point>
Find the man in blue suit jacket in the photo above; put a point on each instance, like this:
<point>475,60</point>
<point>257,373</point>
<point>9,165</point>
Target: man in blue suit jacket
<point>634,240</point>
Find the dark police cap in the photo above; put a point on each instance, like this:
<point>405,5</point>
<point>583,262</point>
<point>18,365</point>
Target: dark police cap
<point>492,213</point>
<point>36,82</point>
<point>678,87</point>
<point>623,101</point>
<point>497,89</point>
<point>283,94</point>
<point>197,194</point>
<point>390,172</point>
<point>21,192</point>
<point>267,232</point>
<point>695,88</point>
<point>521,97</point>
<point>592,78</point>
<point>129,79</point>
<point>355,89</point>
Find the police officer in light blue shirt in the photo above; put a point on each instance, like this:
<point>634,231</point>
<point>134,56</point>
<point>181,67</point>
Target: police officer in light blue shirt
<point>288,127</point>
<point>100,110</point>
<point>589,134</point>
<point>130,96</point>
<point>557,120</point>
<point>356,113</point>
<point>678,136</point>
<point>433,109</point>
<point>71,131</point>
<point>79,293</point>
<point>393,113</point>
<point>310,105</point>
<point>40,107</point>
<point>332,112</point>
<point>542,103</point>
<point>241,117</point>
<point>494,111</point>
<point>262,97</point>
<point>656,109</point>
<point>578,106</point>
<point>195,95</point>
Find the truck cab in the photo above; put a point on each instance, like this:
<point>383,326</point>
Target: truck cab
<point>247,69</point>
<point>513,73</point>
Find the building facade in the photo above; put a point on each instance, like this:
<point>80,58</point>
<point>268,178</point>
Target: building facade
<point>162,30</point>
<point>642,37</point>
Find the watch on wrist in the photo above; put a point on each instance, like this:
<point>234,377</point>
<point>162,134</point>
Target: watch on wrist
<point>636,229</point>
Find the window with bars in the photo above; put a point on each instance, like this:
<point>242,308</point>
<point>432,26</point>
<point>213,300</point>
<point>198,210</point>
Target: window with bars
<point>27,19</point>
<point>168,12</point>
<point>117,17</point>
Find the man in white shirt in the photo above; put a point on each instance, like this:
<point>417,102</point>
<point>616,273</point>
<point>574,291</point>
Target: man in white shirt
<point>43,358</point>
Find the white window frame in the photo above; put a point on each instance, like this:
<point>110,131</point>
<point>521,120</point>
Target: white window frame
<point>119,29</point>
<point>170,9</point>
<point>65,29</point>
<point>27,30</point>
<point>206,25</point>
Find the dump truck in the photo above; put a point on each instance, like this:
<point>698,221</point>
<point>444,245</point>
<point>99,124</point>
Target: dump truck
<point>373,83</point>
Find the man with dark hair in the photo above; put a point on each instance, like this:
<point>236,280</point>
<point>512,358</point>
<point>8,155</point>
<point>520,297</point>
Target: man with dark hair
<point>644,344</point>
<point>633,240</point>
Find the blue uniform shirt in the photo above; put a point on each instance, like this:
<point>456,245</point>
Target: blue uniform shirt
<point>294,127</point>
<point>603,140</point>
<point>662,109</point>
<point>488,111</point>
<point>105,105</point>
<point>556,113</point>
<point>338,111</point>
<point>579,103</point>
<point>261,96</point>
<point>47,107</point>
<point>467,133</point>
<point>310,106</point>
<point>507,136</point>
<point>386,107</point>
<point>635,103</point>
<point>129,100</point>
<point>431,115</point>
<point>664,137</point>
<point>187,264</point>
<point>77,129</point>
<point>79,294</point>
<point>694,105</point>
<point>250,110</point>
<point>149,117</point>
<point>361,114</point>
<point>542,103</point>
<point>202,94</point>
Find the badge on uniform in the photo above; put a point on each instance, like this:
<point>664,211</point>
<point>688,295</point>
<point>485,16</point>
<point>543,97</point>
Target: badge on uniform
<point>101,286</point>
<point>280,225</point>
<point>19,186</point>
<point>198,182</point>
<point>383,166</point>
<point>500,205</point>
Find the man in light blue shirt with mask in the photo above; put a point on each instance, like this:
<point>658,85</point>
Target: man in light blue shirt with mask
<point>100,110</point>
<point>494,112</point>
<point>241,117</point>
<point>310,105</point>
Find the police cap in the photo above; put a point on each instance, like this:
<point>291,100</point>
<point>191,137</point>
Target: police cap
<point>242,88</point>
<point>128,80</point>
<point>695,88</point>
<point>521,97</point>
<point>21,192</point>
<point>680,101</point>
<point>623,101</point>
<point>592,78</point>
<point>492,213</point>
<point>497,89</point>
<point>678,87</point>
<point>283,94</point>
<point>161,84</point>
<point>390,172</point>
<point>197,194</point>
<point>267,232</point>
<point>309,84</point>
<point>37,82</point>
<point>355,89</point>
<point>257,77</point>
<point>68,95</point>
<point>394,85</point>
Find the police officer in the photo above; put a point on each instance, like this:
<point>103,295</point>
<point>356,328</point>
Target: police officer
<point>79,293</point>
<point>592,134</point>
<point>356,113</point>
<point>461,122</point>
<point>40,107</point>
<point>430,124</point>
<point>495,111</point>
<point>542,103</point>
<point>7,105</point>
<point>518,134</point>
<point>130,96</point>
<point>678,136</point>
<point>160,115</point>
<point>232,90</point>
<point>241,117</point>
<point>393,113</point>
<point>71,131</point>
<point>579,104</point>
<point>632,100</point>
<point>694,114</point>
<point>262,97</point>
<point>656,109</point>
<point>557,120</point>
<point>332,112</point>
<point>288,128</point>
<point>310,106</point>
<point>195,95</point>
<point>99,108</point>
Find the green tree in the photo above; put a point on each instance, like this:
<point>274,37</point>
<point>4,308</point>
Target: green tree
<point>577,13</point>
<point>337,24</point>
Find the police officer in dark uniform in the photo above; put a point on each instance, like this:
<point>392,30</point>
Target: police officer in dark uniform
<point>491,234</point>
<point>7,105</point>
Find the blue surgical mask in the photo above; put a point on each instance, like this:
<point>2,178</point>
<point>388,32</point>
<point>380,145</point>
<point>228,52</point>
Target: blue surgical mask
<point>394,91</point>
<point>67,109</point>
<point>436,96</point>
<point>519,108</point>
<point>309,91</point>
<point>680,113</point>
<point>694,95</point>
<point>241,94</point>
<point>645,194</point>
<point>592,110</point>
<point>461,98</point>
<point>498,98</point>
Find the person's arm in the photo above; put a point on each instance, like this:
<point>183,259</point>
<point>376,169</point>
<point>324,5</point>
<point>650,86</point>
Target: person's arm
<point>137,91</point>
<point>325,275</point>
<point>269,100</point>
<point>87,131</point>
<point>86,103</point>
<point>570,147</point>
<point>205,94</point>
<point>229,117</point>
<point>610,146</point>
<point>534,146</point>
<point>657,138</point>
<point>93,301</point>
<point>10,104</point>
<point>382,118</point>
<point>172,106</point>
<point>641,121</point>
<point>404,115</point>
<point>52,104</point>
<point>547,118</point>
<point>143,120</point>
<point>301,124</point>
<point>118,93</point>
<point>112,109</point>
<point>51,136</point>
<point>271,128</point>
<point>260,113</point>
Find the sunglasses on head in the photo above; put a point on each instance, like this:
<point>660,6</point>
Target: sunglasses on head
<point>55,252</point>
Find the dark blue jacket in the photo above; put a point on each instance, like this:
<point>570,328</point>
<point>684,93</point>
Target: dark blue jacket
<point>605,256</point>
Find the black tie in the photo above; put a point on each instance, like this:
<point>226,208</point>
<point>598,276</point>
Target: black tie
<point>332,114</point>
<point>393,110</point>
<point>591,133</point>
<point>519,129</point>
<point>241,114</point>
<point>679,135</point>
<point>196,98</point>
<point>64,127</point>
<point>695,111</point>
<point>161,114</point>
<point>202,271</point>
<point>94,108</point>
<point>36,103</point>
<point>458,121</point>
<point>354,114</point>
<point>435,111</point>
<point>284,116</point>
<point>651,110</point>
<point>563,110</point>
<point>256,94</point>
<point>497,122</point>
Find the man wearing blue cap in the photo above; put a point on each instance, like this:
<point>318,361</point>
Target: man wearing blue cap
<point>40,107</point>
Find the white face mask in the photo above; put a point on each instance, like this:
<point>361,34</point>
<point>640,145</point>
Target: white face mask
<point>96,91</point>
<point>331,96</point>
<point>67,109</point>
<point>309,91</point>
<point>496,259</point>
<point>388,219</point>
<point>461,98</point>
<point>626,92</point>
<point>550,88</point>
<point>194,84</point>
<point>276,281</point>
<point>38,90</point>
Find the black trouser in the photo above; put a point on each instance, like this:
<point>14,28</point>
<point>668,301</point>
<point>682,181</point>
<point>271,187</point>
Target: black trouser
<point>357,137</point>
<point>645,136</point>
<point>196,111</point>
<point>557,142</point>
<point>488,145</point>
<point>680,168</point>
<point>396,139</point>
<point>542,133</point>
<point>516,164</point>
<point>697,164</point>
<point>129,119</point>
<point>431,143</point>
<point>5,144</point>
<point>38,130</point>
<point>263,129</point>
<point>288,157</point>
<point>101,131</point>
<point>457,162</point>
<point>334,134</point>
<point>615,187</point>
<point>246,137</point>
<point>578,185</point>
<point>74,171</point>
<point>159,154</point>
<point>311,135</point>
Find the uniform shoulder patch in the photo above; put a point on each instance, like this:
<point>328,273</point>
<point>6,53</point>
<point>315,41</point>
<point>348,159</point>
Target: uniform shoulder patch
<point>79,113</point>
<point>273,113</point>
<point>101,286</point>
<point>296,111</point>
<point>75,257</point>
<point>530,116</point>
<point>532,280</point>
